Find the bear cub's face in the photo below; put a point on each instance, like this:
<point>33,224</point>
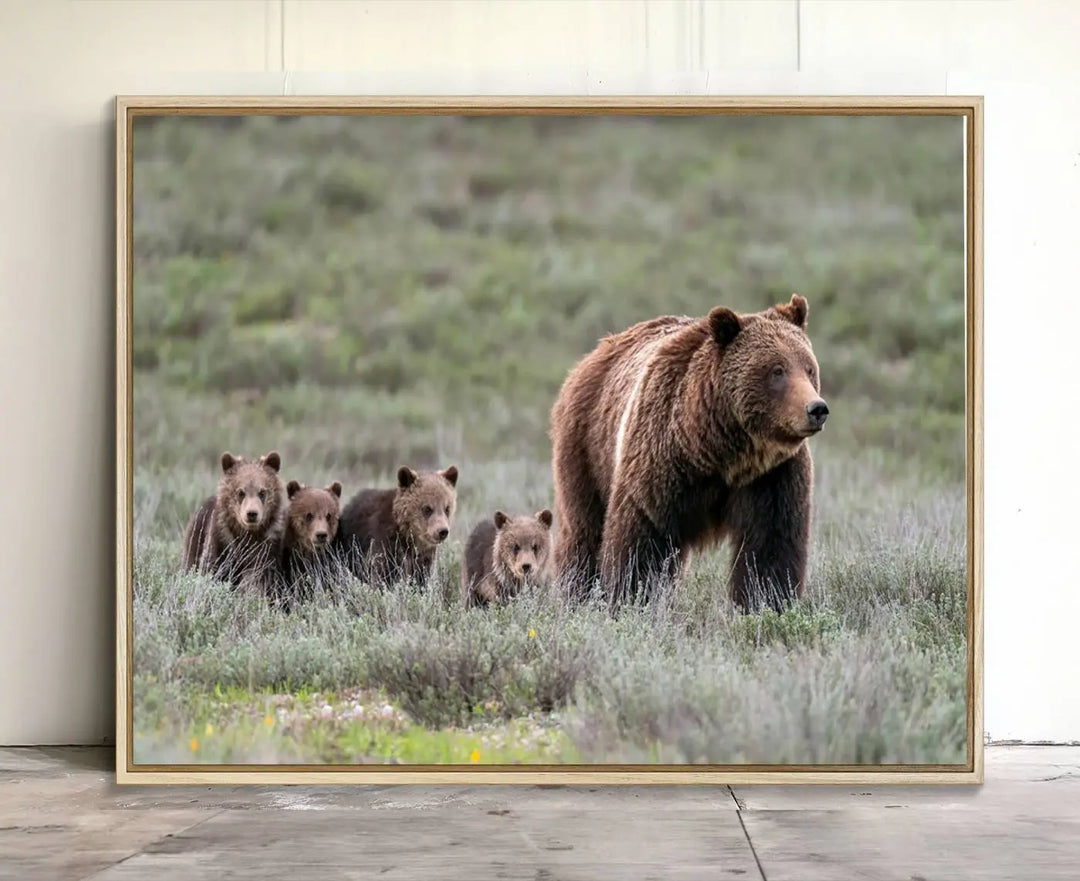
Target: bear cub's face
<point>425,504</point>
<point>313,515</point>
<point>250,490</point>
<point>770,366</point>
<point>523,544</point>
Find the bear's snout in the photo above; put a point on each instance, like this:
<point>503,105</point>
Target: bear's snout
<point>442,534</point>
<point>526,568</point>
<point>817,412</point>
<point>252,516</point>
<point>321,537</point>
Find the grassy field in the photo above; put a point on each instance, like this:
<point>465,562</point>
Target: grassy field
<point>364,293</point>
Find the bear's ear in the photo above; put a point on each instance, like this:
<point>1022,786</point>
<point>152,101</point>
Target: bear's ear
<point>725,325</point>
<point>500,519</point>
<point>795,311</point>
<point>406,477</point>
<point>228,461</point>
<point>293,487</point>
<point>335,488</point>
<point>451,475</point>
<point>545,518</point>
<point>272,460</point>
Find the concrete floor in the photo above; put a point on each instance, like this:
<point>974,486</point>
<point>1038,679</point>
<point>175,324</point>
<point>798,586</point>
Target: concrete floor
<point>62,817</point>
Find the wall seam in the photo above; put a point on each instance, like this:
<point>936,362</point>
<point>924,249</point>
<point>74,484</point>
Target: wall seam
<point>798,36</point>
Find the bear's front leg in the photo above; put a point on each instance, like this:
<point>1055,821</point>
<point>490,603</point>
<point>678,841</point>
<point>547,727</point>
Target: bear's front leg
<point>768,522</point>
<point>416,567</point>
<point>486,592</point>
<point>634,554</point>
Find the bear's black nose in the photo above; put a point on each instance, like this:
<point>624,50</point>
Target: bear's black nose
<point>252,516</point>
<point>526,568</point>
<point>320,537</point>
<point>818,411</point>
<point>442,533</point>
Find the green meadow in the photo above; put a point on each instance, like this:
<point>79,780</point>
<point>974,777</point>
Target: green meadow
<point>364,293</point>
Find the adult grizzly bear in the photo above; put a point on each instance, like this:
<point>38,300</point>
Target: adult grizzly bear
<point>390,535</point>
<point>679,433</point>
<point>504,555</point>
<point>235,535</point>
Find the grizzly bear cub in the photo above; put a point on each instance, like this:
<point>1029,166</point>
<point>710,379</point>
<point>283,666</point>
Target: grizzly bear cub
<point>504,555</point>
<point>391,535</point>
<point>235,535</point>
<point>307,559</point>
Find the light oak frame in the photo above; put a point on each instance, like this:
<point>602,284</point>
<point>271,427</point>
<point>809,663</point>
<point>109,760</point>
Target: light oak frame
<point>970,108</point>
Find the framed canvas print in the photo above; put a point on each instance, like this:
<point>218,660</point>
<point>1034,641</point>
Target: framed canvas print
<point>621,440</point>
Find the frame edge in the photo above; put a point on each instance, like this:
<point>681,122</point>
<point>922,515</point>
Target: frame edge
<point>123,391</point>
<point>978,439</point>
<point>128,106</point>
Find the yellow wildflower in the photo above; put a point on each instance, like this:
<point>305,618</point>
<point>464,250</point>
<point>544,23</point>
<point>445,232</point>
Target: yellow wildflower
<point>268,721</point>
<point>194,744</point>
<point>475,757</point>
<point>209,729</point>
<point>532,633</point>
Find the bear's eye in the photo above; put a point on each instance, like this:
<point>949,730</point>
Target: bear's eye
<point>262,495</point>
<point>309,517</point>
<point>517,549</point>
<point>447,510</point>
<point>240,496</point>
<point>778,371</point>
<point>428,510</point>
<point>536,549</point>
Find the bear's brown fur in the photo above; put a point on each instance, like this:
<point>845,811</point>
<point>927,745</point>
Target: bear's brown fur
<point>307,558</point>
<point>505,554</point>
<point>236,535</point>
<point>390,535</point>
<point>678,433</point>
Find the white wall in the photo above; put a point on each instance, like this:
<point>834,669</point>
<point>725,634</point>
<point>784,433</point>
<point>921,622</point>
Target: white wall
<point>61,63</point>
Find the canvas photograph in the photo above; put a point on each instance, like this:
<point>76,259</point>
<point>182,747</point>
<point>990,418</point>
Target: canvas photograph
<point>510,439</point>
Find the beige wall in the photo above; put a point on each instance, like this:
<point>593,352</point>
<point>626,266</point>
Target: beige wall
<point>61,63</point>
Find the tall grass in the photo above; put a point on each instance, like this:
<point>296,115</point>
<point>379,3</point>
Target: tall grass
<point>868,667</point>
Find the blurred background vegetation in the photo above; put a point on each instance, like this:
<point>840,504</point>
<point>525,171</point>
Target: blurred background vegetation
<point>363,291</point>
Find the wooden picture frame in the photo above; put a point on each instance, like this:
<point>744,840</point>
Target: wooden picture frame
<point>129,110</point>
